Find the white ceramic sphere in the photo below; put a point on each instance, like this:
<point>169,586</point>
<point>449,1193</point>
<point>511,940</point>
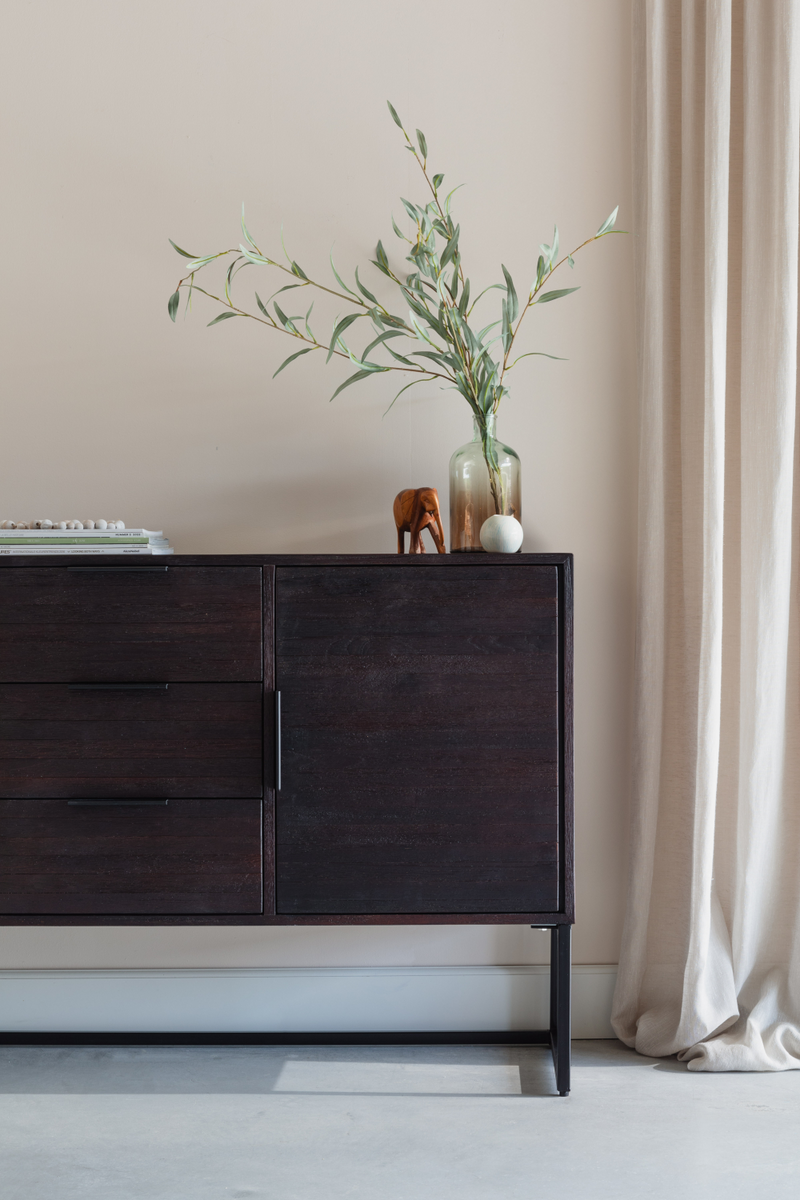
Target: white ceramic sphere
<point>101,524</point>
<point>118,524</point>
<point>501,535</point>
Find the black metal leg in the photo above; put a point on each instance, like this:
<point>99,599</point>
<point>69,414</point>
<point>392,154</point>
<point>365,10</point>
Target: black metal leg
<point>561,1004</point>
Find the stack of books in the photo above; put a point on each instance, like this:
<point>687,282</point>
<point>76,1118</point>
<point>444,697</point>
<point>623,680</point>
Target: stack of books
<point>113,538</point>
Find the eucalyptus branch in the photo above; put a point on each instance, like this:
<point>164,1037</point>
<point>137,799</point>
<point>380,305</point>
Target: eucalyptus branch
<point>545,279</point>
<point>437,293</point>
<point>303,280</point>
<point>312,342</point>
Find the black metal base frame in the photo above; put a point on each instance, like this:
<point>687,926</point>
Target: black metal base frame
<point>558,1037</point>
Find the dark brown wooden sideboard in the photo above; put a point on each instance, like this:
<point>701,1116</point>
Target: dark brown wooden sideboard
<point>275,739</point>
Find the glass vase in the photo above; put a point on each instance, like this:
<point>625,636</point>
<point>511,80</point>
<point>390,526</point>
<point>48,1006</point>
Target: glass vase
<point>485,478</point>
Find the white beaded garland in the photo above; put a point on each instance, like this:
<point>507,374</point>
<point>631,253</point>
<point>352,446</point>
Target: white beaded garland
<point>69,524</point>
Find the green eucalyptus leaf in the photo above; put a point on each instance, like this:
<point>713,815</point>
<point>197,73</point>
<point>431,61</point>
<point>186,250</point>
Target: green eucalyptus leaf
<point>226,316</point>
<point>292,357</point>
<point>363,290</point>
<point>426,378</point>
<point>464,301</point>
<point>513,302</point>
<point>443,360</point>
<point>571,260</point>
<point>399,357</point>
<point>172,304</point>
<point>399,232</point>
<point>363,365</point>
<point>554,251</point>
<point>229,275</point>
<point>536,354</point>
<point>285,321</point>
<point>608,223</point>
<point>438,180</point>
<point>260,304</point>
<point>412,210</point>
<point>185,253</point>
<point>423,145</point>
<point>384,337</point>
<point>196,263</point>
<point>449,195</point>
<point>539,271</point>
<point>339,329</point>
<point>353,379</point>
<point>339,279</point>
<point>506,323</point>
<point>297,270</point>
<point>556,295</point>
<point>246,233</point>
<point>486,329</point>
<point>395,117</point>
<point>451,248</point>
<point>308,327</point>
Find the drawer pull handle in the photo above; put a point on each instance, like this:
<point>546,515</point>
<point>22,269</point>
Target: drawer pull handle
<point>277,741</point>
<point>117,803</point>
<point>117,687</point>
<point>106,570</point>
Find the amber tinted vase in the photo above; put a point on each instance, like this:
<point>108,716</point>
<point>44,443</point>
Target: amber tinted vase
<point>478,490</point>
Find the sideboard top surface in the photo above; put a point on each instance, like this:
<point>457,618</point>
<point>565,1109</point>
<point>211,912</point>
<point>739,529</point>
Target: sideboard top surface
<point>422,561</point>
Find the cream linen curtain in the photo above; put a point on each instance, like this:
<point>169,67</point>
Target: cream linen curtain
<point>711,956</point>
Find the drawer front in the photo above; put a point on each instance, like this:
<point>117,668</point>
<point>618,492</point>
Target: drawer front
<point>188,856</point>
<point>185,739</point>
<point>137,624</point>
<point>419,740</point>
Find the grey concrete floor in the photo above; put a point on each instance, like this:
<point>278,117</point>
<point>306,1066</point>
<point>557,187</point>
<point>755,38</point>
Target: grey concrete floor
<point>379,1123</point>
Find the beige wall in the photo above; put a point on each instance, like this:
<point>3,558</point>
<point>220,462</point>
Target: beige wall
<point>129,122</point>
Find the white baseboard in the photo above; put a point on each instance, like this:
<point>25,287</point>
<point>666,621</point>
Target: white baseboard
<point>292,999</point>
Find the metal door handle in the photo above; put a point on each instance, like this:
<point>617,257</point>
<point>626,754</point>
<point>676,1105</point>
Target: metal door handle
<point>277,741</point>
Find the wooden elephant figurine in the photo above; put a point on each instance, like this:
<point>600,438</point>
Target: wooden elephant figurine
<point>414,509</point>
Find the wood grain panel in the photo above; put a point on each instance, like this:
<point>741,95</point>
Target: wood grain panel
<point>191,739</point>
<point>182,624</point>
<point>192,856</point>
<point>420,740</point>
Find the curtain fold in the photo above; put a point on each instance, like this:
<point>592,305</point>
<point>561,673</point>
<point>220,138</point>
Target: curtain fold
<point>710,968</point>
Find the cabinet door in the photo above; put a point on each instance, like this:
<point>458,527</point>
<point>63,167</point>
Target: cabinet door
<point>420,739</point>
